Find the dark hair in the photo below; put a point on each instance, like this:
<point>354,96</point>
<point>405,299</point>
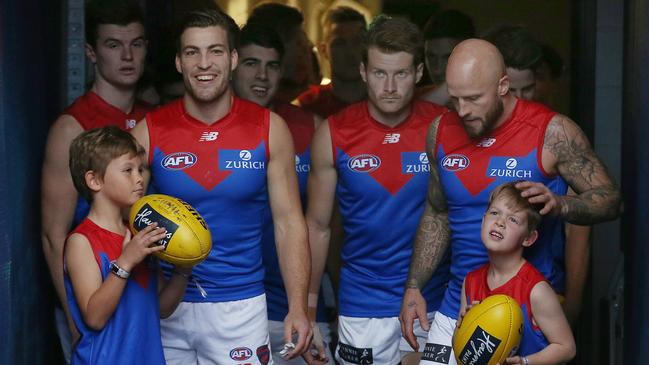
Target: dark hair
<point>394,35</point>
<point>118,12</point>
<point>208,18</point>
<point>94,149</point>
<point>514,200</point>
<point>552,58</point>
<point>449,24</point>
<point>343,14</point>
<point>282,18</point>
<point>518,46</point>
<point>262,36</point>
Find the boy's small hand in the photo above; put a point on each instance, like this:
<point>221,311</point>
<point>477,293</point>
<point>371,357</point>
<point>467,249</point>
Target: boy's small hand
<point>464,312</point>
<point>515,360</point>
<point>140,246</point>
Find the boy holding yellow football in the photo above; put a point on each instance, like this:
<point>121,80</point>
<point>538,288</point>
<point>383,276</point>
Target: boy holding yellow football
<point>113,293</point>
<point>508,227</point>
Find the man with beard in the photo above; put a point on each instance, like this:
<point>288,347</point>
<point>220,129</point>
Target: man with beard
<point>498,139</point>
<point>231,160</point>
<point>343,33</point>
<point>370,158</point>
<point>116,46</point>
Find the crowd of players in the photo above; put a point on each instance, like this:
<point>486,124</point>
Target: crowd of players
<point>393,177</point>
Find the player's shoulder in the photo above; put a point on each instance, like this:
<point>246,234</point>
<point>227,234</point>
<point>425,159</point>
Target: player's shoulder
<point>428,109</point>
<point>350,115</point>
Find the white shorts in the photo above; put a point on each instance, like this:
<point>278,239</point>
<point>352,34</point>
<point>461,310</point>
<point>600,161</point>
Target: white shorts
<point>374,340</point>
<point>439,348</point>
<point>276,330</point>
<point>217,333</point>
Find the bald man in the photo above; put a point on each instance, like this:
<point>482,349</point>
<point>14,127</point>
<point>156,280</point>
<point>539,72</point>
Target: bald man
<point>496,139</point>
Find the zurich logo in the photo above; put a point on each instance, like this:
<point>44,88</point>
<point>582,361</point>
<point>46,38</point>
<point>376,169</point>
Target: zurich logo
<point>364,163</point>
<point>297,159</point>
<point>511,163</point>
<point>179,161</point>
<point>245,155</point>
<point>423,158</point>
<point>455,163</point>
<point>240,354</point>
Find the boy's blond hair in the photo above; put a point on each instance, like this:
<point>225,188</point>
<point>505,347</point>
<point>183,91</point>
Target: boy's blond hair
<point>515,201</point>
<point>93,150</point>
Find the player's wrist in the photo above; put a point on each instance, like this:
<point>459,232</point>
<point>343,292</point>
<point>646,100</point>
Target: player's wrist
<point>124,263</point>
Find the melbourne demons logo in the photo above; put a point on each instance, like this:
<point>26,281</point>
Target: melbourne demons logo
<point>364,163</point>
<point>179,161</point>
<point>455,163</point>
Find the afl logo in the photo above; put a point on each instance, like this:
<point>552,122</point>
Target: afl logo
<point>179,161</point>
<point>240,354</point>
<point>245,155</point>
<point>455,163</point>
<point>364,163</point>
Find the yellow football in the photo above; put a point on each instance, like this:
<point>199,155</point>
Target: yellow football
<point>490,332</point>
<point>188,239</point>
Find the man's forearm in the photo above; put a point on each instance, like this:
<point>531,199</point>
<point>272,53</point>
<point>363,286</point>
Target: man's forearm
<point>295,263</point>
<point>593,206</point>
<point>431,242</point>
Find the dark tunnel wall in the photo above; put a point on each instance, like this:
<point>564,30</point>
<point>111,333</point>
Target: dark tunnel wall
<point>30,89</point>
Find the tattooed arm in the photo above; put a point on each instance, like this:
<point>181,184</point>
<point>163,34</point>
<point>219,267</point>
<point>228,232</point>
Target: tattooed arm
<point>431,242</point>
<point>566,151</point>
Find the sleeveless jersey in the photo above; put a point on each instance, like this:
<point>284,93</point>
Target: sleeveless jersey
<point>91,111</point>
<point>320,100</point>
<point>132,334</point>
<point>300,124</point>
<point>519,287</point>
<point>470,169</point>
<point>381,189</point>
<point>219,169</point>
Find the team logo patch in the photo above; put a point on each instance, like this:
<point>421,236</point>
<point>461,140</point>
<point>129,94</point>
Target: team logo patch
<point>240,353</point>
<point>130,123</point>
<point>437,353</point>
<point>263,354</point>
<point>241,160</point>
<point>414,162</point>
<point>455,163</point>
<point>487,142</point>
<point>179,161</point>
<point>480,348</point>
<point>364,163</point>
<point>513,168</point>
<point>391,138</point>
<point>355,355</point>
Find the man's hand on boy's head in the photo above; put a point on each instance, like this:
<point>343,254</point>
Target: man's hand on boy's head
<point>135,249</point>
<point>538,193</point>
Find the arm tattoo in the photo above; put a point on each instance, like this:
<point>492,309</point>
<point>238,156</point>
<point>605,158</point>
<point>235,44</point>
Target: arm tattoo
<point>598,197</point>
<point>433,234</point>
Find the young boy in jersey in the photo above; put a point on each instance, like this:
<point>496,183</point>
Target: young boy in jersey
<point>111,288</point>
<point>508,227</point>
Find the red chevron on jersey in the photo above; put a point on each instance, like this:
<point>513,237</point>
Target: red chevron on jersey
<point>472,161</point>
<point>91,111</point>
<point>374,148</point>
<point>197,148</point>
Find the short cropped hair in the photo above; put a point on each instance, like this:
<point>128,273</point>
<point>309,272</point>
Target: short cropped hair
<point>94,149</point>
<point>283,18</point>
<point>515,201</point>
<point>118,12</point>
<point>343,14</point>
<point>209,18</point>
<point>518,46</point>
<point>262,36</point>
<point>394,35</point>
<point>449,24</point>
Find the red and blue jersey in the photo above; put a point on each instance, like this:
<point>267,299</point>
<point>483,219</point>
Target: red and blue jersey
<point>301,125</point>
<point>520,288</point>
<point>469,169</point>
<point>381,189</point>
<point>91,111</point>
<point>132,334</point>
<point>220,170</point>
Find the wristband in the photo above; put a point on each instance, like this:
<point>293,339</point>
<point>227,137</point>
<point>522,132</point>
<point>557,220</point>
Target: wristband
<point>118,271</point>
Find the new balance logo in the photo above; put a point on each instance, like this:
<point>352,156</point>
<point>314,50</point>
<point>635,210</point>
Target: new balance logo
<point>391,138</point>
<point>208,136</point>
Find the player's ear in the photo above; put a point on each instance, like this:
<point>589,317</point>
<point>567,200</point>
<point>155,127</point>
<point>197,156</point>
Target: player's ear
<point>361,69</point>
<point>90,53</point>
<point>93,180</point>
<point>177,61</point>
<point>234,59</point>
<point>419,72</point>
<point>503,85</point>
<point>531,238</point>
